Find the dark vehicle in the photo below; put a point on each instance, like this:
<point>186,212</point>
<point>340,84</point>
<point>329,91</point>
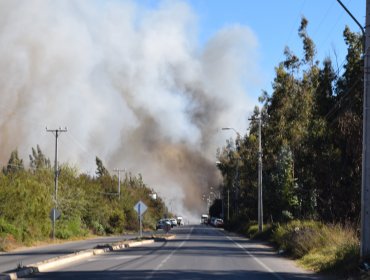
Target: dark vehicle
<point>163,224</point>
<point>219,223</point>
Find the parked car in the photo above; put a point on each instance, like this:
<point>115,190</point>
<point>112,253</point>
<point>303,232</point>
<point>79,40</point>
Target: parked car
<point>219,222</point>
<point>163,224</point>
<point>173,222</point>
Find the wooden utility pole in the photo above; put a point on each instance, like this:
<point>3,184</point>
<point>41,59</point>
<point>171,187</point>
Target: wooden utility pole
<point>119,180</point>
<point>56,133</point>
<point>365,190</point>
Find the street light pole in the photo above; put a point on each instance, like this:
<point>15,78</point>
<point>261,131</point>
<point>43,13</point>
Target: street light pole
<point>237,179</point>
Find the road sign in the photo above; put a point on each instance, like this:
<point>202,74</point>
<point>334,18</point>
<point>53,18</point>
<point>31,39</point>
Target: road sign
<point>140,207</point>
<point>54,213</point>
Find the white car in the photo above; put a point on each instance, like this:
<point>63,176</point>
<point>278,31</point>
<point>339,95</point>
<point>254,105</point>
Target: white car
<point>173,222</point>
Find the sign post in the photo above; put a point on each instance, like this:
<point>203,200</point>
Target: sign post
<point>140,208</point>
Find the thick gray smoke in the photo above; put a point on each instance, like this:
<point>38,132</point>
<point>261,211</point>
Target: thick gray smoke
<point>132,85</point>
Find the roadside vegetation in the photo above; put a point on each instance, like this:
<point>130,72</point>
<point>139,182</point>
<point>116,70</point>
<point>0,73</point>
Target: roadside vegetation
<point>318,247</point>
<point>312,151</point>
<point>89,205</point>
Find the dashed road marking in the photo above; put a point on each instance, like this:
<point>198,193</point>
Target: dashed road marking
<point>169,256</point>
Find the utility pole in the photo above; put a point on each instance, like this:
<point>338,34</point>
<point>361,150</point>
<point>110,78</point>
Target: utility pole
<point>56,133</point>
<point>260,200</point>
<point>260,204</point>
<point>119,180</point>
<point>365,189</point>
<point>228,205</point>
<point>365,184</point>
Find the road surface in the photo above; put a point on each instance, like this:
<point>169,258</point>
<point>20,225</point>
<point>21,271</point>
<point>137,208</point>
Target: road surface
<point>198,252</point>
<point>11,260</point>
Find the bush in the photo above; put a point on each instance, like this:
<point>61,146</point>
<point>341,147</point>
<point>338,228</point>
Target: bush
<point>9,235</point>
<point>97,228</point>
<point>299,237</point>
<point>7,228</point>
<point>70,228</point>
<point>339,253</point>
<point>319,247</point>
<point>116,221</point>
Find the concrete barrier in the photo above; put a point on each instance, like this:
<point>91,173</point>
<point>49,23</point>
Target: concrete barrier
<point>63,260</point>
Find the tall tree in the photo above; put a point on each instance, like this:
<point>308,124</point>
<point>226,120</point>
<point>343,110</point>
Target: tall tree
<point>101,171</point>
<point>38,160</point>
<point>14,164</point>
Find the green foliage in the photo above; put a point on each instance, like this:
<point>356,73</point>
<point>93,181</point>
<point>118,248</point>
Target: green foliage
<point>116,221</point>
<point>311,142</point>
<point>308,45</point>
<point>6,228</point>
<point>97,228</point>
<point>299,237</point>
<point>338,253</point>
<point>25,203</point>
<point>38,160</point>
<point>87,204</point>
<point>100,168</point>
<point>318,247</point>
<point>14,165</point>
<point>70,227</point>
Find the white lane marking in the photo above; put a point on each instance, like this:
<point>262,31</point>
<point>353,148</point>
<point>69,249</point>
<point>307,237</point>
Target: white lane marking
<point>114,258</point>
<point>256,259</point>
<point>169,256</point>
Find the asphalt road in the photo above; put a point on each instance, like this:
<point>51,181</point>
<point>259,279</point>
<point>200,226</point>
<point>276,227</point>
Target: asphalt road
<point>11,260</point>
<point>198,252</point>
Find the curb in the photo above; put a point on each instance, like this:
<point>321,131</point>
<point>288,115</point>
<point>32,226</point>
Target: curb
<point>62,260</point>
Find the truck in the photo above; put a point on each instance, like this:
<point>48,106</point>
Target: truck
<point>180,221</point>
<point>204,219</point>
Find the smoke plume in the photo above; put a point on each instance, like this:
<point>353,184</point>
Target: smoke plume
<point>132,84</point>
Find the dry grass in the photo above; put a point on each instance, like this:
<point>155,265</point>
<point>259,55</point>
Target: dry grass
<point>319,247</point>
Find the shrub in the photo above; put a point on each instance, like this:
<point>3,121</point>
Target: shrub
<point>339,252</point>
<point>9,235</point>
<point>97,228</point>
<point>70,228</point>
<point>299,237</point>
<point>116,221</point>
<point>7,228</point>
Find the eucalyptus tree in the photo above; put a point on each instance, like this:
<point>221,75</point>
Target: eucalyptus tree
<point>346,121</point>
<point>14,165</point>
<point>38,160</point>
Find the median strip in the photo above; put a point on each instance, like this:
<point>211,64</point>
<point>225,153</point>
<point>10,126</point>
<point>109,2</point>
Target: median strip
<point>48,264</point>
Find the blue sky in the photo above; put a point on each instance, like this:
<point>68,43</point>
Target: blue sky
<point>275,24</point>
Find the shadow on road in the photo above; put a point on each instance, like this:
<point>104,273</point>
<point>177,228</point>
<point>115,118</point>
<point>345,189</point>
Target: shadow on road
<point>171,274</point>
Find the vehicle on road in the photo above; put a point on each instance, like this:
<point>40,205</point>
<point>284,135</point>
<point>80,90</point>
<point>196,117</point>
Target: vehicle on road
<point>204,219</point>
<point>218,222</point>
<point>180,221</point>
<point>163,224</point>
<point>173,222</point>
